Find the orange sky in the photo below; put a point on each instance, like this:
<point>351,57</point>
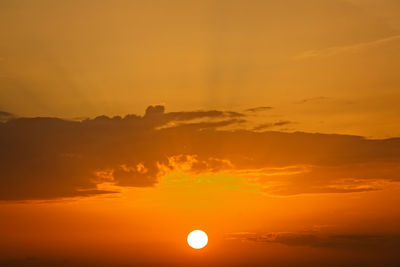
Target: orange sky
<point>271,125</point>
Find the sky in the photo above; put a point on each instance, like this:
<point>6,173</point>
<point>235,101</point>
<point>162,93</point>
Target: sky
<point>270,125</point>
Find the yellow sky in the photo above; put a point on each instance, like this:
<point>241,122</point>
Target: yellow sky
<point>75,59</point>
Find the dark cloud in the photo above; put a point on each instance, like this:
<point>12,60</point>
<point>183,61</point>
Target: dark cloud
<point>323,240</point>
<point>271,125</point>
<point>202,114</point>
<point>5,116</point>
<point>258,109</point>
<point>45,158</point>
<point>154,111</point>
<point>209,125</point>
<point>312,99</point>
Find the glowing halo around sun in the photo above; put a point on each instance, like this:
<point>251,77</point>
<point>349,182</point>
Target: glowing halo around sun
<point>197,239</point>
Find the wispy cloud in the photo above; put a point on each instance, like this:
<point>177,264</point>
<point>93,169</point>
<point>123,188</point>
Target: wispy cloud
<point>330,51</point>
<point>312,99</point>
<point>271,125</point>
<point>259,109</point>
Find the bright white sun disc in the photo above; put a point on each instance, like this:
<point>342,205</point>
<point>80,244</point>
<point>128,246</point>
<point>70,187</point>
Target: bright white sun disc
<point>197,239</point>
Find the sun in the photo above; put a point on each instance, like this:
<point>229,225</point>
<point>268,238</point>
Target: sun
<point>197,239</point>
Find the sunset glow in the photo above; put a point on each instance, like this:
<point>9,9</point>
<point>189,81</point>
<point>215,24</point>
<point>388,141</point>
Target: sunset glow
<point>271,125</point>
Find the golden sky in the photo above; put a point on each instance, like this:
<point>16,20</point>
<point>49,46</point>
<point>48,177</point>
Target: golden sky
<point>271,125</point>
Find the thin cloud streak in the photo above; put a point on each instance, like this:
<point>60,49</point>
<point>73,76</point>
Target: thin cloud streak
<point>323,240</point>
<point>331,51</point>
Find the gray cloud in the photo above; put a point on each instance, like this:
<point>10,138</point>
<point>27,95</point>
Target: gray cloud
<point>331,51</point>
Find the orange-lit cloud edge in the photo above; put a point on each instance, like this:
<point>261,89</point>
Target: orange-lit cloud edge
<point>49,158</point>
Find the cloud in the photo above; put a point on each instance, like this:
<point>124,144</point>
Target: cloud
<point>189,115</point>
<point>271,125</point>
<point>202,114</point>
<point>259,109</point>
<point>47,158</point>
<point>312,99</point>
<point>323,240</point>
<point>5,116</point>
<point>331,51</point>
<point>212,125</point>
<point>341,178</point>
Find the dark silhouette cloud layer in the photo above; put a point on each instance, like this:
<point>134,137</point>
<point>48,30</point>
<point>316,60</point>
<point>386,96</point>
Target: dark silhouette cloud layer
<point>46,158</point>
